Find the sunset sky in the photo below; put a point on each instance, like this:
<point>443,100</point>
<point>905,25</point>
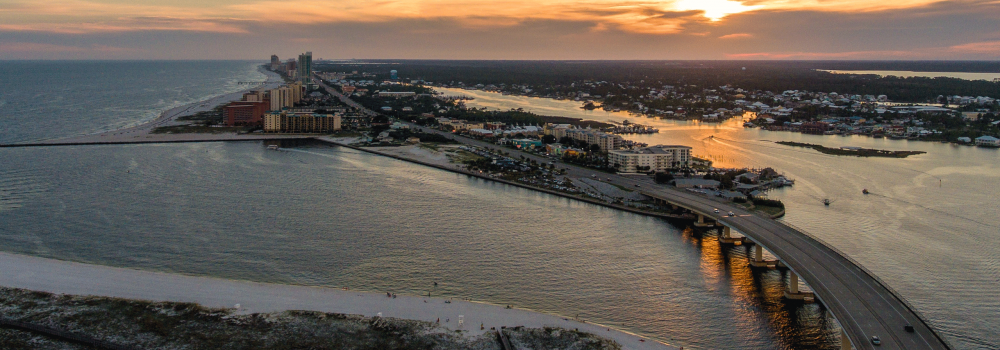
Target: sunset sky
<point>501,29</point>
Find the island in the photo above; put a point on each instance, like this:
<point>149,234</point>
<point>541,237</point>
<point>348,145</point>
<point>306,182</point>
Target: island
<point>853,151</point>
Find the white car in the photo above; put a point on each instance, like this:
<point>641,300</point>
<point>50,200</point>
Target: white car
<point>716,210</point>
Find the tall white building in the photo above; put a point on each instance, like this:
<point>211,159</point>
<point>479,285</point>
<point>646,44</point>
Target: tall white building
<point>655,158</point>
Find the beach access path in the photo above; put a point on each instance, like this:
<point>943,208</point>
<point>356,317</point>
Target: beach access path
<point>56,276</point>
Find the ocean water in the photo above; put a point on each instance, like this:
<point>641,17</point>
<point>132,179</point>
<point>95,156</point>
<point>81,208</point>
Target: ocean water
<point>52,99</point>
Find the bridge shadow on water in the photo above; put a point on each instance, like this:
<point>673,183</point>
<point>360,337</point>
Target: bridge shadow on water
<point>759,293</point>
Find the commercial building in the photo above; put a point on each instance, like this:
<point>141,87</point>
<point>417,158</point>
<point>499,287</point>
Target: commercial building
<point>526,143</point>
<point>305,67</point>
<point>557,130</point>
<point>301,122</point>
<point>656,158</point>
<point>244,113</point>
<point>275,62</point>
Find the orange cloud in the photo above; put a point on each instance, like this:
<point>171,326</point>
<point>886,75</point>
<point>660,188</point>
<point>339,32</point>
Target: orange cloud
<point>978,47</point>
<point>636,16</point>
<point>839,5</point>
<point>19,47</point>
<point>737,36</point>
<point>126,25</point>
<point>825,55</point>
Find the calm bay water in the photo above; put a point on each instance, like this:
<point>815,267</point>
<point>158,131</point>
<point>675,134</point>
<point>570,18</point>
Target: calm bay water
<point>922,229</point>
<point>328,216</point>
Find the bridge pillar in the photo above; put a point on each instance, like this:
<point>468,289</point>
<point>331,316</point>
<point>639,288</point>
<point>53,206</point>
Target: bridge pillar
<point>701,222</point>
<point>845,342</point>
<point>793,289</point>
<point>757,259</point>
<point>726,236</point>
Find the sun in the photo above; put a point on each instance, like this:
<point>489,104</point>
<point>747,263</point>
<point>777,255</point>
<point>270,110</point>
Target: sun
<point>714,9</point>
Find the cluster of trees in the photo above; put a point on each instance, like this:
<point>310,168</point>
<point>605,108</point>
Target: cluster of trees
<point>727,180</point>
<point>758,75</point>
<point>766,202</point>
<point>402,134</point>
<point>591,160</point>
<point>581,144</point>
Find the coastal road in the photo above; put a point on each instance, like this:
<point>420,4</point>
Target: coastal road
<point>343,98</point>
<point>863,305</point>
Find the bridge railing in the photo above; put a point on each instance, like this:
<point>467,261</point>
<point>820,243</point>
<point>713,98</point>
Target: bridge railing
<point>872,275</point>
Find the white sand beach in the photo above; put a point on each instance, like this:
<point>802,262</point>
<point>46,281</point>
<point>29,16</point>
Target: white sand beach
<point>56,276</point>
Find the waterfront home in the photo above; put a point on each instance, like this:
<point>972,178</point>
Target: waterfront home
<point>730,195</point>
<point>987,141</point>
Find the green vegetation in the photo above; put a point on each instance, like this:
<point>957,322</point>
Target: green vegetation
<point>662,178</point>
<point>403,134</point>
<point>860,152</point>
<point>557,338</point>
<point>142,324</point>
<point>210,117</point>
<point>518,117</point>
<point>464,157</point>
<point>758,75</point>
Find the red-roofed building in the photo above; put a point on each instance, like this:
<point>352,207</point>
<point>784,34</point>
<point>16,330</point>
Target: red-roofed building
<point>243,113</point>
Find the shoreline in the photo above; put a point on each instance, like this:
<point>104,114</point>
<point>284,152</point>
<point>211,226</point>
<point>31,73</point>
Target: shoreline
<point>676,120</point>
<point>333,141</point>
<point>166,118</point>
<point>66,277</point>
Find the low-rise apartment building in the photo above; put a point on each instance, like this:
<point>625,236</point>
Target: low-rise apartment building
<point>606,141</point>
<point>301,122</point>
<point>655,158</point>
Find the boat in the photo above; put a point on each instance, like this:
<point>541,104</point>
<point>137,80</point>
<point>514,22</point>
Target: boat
<point>865,191</point>
<point>272,147</point>
<point>826,202</point>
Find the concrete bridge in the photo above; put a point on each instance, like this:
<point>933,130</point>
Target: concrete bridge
<point>863,305</point>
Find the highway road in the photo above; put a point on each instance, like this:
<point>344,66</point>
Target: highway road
<point>860,302</point>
